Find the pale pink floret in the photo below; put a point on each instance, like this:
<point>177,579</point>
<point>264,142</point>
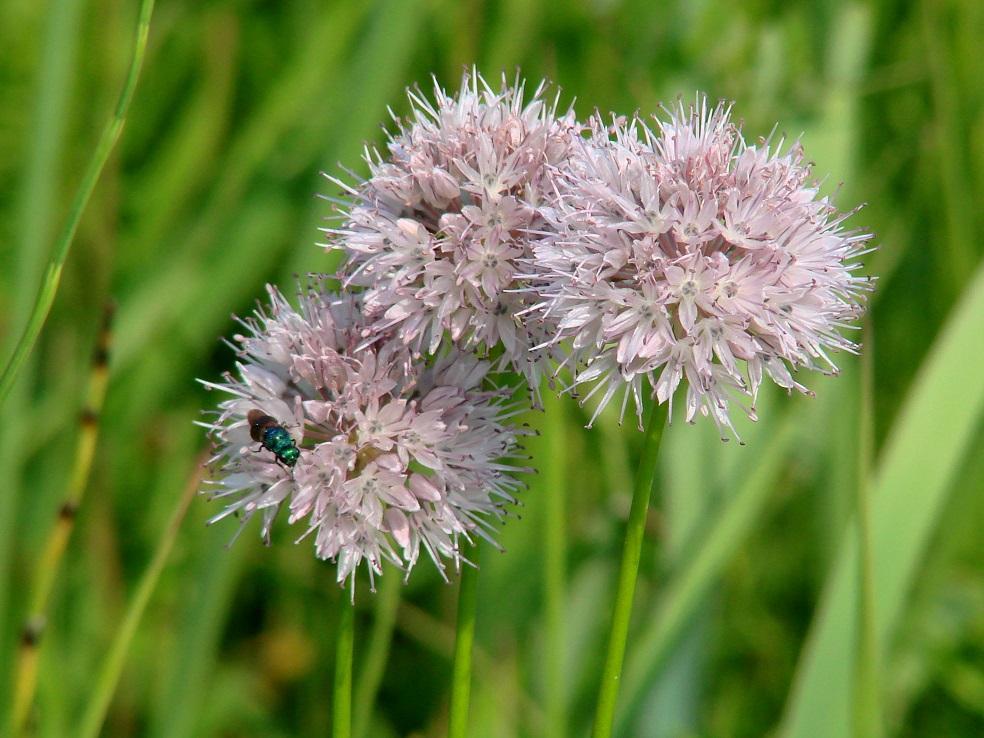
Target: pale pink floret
<point>436,233</point>
<point>684,256</point>
<point>395,457</point>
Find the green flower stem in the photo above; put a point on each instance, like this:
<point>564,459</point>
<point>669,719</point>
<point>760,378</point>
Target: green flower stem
<point>554,469</point>
<point>341,720</point>
<point>52,275</point>
<point>464,640</point>
<point>373,657</point>
<point>631,553</point>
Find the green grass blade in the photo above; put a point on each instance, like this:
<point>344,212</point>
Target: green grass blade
<point>38,202</point>
<point>50,562</point>
<point>187,679</point>
<point>109,676</point>
<point>52,275</point>
<point>684,592</point>
<point>919,461</point>
<point>867,679</point>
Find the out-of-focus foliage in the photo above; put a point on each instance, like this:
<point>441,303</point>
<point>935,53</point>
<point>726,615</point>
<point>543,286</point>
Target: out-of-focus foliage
<point>210,195</point>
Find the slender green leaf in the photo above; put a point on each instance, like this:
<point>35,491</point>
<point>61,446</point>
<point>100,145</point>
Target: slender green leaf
<point>925,449</point>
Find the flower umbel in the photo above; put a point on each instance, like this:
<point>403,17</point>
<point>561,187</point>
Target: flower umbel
<point>683,253</point>
<point>394,456</point>
<point>436,232</point>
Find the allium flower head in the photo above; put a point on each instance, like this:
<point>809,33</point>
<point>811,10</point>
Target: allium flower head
<point>394,456</point>
<point>683,253</point>
<point>435,233</point>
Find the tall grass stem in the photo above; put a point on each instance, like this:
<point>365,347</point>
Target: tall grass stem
<point>49,563</point>
<point>109,677</point>
<point>52,275</point>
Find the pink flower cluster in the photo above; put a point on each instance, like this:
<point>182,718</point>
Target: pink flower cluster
<point>439,234</point>
<point>497,234</point>
<point>683,253</point>
<point>397,456</point>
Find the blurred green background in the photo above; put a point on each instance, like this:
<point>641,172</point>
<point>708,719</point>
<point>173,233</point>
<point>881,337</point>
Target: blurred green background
<point>745,615</point>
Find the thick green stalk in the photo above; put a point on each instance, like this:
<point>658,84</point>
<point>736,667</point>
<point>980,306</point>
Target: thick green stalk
<point>555,568</point>
<point>631,553</point>
<point>464,640</point>
<point>341,719</point>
